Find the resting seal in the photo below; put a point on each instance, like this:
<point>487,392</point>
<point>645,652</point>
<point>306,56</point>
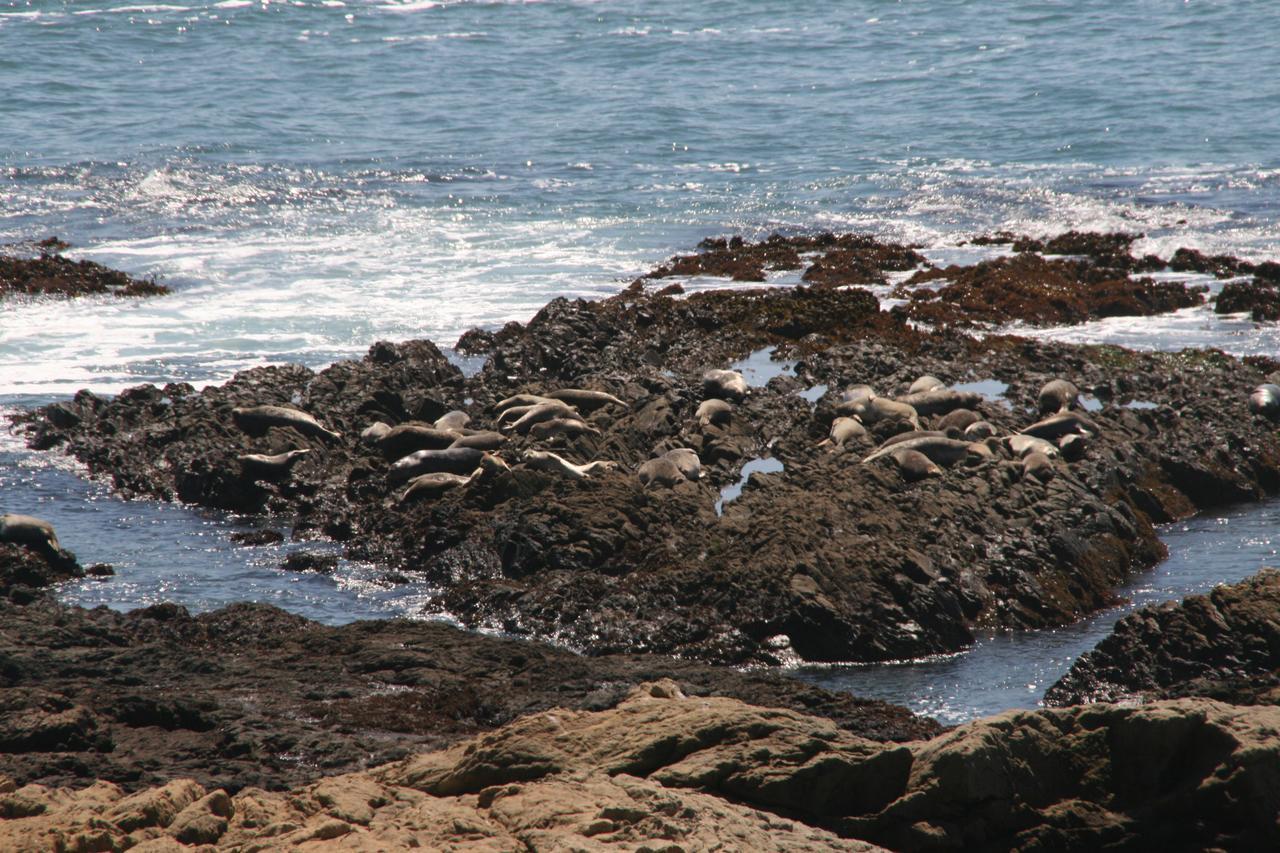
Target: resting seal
<point>842,430</point>
<point>454,420</point>
<point>480,440</point>
<point>557,427</point>
<point>714,411</point>
<point>256,420</point>
<point>725,384</point>
<point>259,466</point>
<point>28,530</point>
<point>915,466</point>
<point>1063,423</point>
<point>1021,445</point>
<point>686,459</point>
<point>587,400</point>
<point>941,401</point>
<point>520,400</point>
<point>979,430</point>
<point>1058,395</point>
<point>1039,466</point>
<point>434,485</point>
<point>406,438</point>
<point>961,419</point>
<point>926,383</point>
<point>452,460</point>
<point>1265,401</point>
<point>943,451</point>
<point>520,418</point>
<point>542,460</point>
<point>872,410</point>
<point>660,472</point>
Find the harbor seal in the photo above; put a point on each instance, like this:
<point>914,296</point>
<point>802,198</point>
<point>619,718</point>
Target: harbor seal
<point>660,472</point>
<point>926,383</point>
<point>374,431</point>
<point>1021,445</point>
<point>406,438</point>
<point>843,430</point>
<point>434,485</point>
<point>541,413</point>
<point>452,460</point>
<point>519,400</point>
<point>961,419</point>
<point>854,393</point>
<point>714,411</point>
<point>1073,446</point>
<point>941,401</point>
<point>1063,423</point>
<point>915,466</point>
<point>872,410</point>
<point>28,530</point>
<point>1058,395</point>
<point>1038,466</point>
<point>943,451</point>
<point>562,427</point>
<point>543,460</point>
<point>686,459</point>
<point>480,440</point>
<point>724,384</point>
<point>454,420</point>
<point>256,420</point>
<point>1265,401</point>
<point>979,430</point>
<point>585,399</point>
<point>259,466</point>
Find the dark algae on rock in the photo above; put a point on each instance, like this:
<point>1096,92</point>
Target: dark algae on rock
<point>48,273</point>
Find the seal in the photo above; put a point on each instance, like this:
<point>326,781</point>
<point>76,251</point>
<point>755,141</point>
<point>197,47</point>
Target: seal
<point>28,530</point>
<point>454,420</point>
<point>979,430</point>
<point>872,410</point>
<point>543,460</point>
<point>562,427</point>
<point>961,419</point>
<point>256,420</point>
<point>1058,395</point>
<point>259,466</point>
<point>917,433</point>
<point>1265,401</point>
<point>660,472</point>
<point>540,413</point>
<point>1021,445</point>
<point>926,383</point>
<point>686,459</point>
<point>585,399</point>
<point>724,384</point>
<point>434,485</point>
<point>941,401</point>
<point>374,431</point>
<point>943,451</point>
<point>1038,466</point>
<point>714,411</point>
<point>842,430</point>
<point>915,466</point>
<point>452,460</point>
<point>1063,423</point>
<point>1073,446</point>
<point>519,400</point>
<point>406,438</point>
<point>480,440</point>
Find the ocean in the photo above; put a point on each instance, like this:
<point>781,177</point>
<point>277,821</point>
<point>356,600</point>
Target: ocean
<point>311,177</point>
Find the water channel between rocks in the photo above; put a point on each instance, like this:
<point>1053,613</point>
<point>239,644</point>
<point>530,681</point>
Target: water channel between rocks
<point>171,552</point>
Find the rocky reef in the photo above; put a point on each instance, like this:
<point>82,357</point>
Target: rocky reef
<point>39,269</point>
<point>833,557</point>
<point>1224,645</point>
<point>667,771</point>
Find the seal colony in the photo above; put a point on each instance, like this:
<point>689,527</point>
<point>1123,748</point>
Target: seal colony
<point>611,426</point>
<point>568,491</point>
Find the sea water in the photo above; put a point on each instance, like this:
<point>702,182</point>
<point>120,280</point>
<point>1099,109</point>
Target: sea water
<point>311,176</point>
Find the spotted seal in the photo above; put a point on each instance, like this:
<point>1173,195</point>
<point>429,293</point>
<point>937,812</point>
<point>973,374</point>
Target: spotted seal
<point>941,450</point>
<point>843,430</point>
<point>660,472</point>
<point>543,460</point>
<point>1265,401</point>
<point>1063,423</point>
<point>256,420</point>
<point>714,411</point>
<point>915,466</point>
<point>259,466</point>
<point>28,530</point>
<point>926,383</point>
<point>724,384</point>
<point>451,460</point>
<point>1058,395</point>
<point>585,399</point>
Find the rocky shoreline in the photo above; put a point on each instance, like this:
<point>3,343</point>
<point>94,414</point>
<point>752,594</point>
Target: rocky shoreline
<point>580,498</point>
<point>39,269</point>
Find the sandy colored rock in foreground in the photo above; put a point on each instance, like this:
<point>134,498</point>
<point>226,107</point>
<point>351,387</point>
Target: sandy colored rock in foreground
<point>667,772</point>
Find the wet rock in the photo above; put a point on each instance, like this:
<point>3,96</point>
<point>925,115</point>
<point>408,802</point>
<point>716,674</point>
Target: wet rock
<point>257,537</point>
<point>1260,297</point>
<point>35,569</point>
<point>310,561</point>
<point>50,274</point>
<point>252,696</point>
<point>1224,645</point>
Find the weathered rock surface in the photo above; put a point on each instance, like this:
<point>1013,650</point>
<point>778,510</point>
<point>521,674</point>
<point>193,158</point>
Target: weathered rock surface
<point>665,771</point>
<point>253,696</point>
<point>24,571</point>
<point>1224,645</point>
<point>829,559</point>
<point>50,274</point>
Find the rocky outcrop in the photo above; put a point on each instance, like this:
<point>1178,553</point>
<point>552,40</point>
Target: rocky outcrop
<point>24,571</point>
<point>253,696</point>
<point>50,274</point>
<point>1260,297</point>
<point>827,559</point>
<point>1224,645</point>
<point>662,770</point>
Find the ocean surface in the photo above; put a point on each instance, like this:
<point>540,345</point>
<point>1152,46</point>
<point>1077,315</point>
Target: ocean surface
<point>315,175</point>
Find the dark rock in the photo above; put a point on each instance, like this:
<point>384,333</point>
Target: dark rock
<point>50,274</point>
<point>307,561</point>
<point>264,536</point>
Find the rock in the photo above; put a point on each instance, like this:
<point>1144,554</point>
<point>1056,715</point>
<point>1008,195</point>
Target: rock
<point>50,274</point>
<point>1224,645</point>
<point>1261,298</point>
